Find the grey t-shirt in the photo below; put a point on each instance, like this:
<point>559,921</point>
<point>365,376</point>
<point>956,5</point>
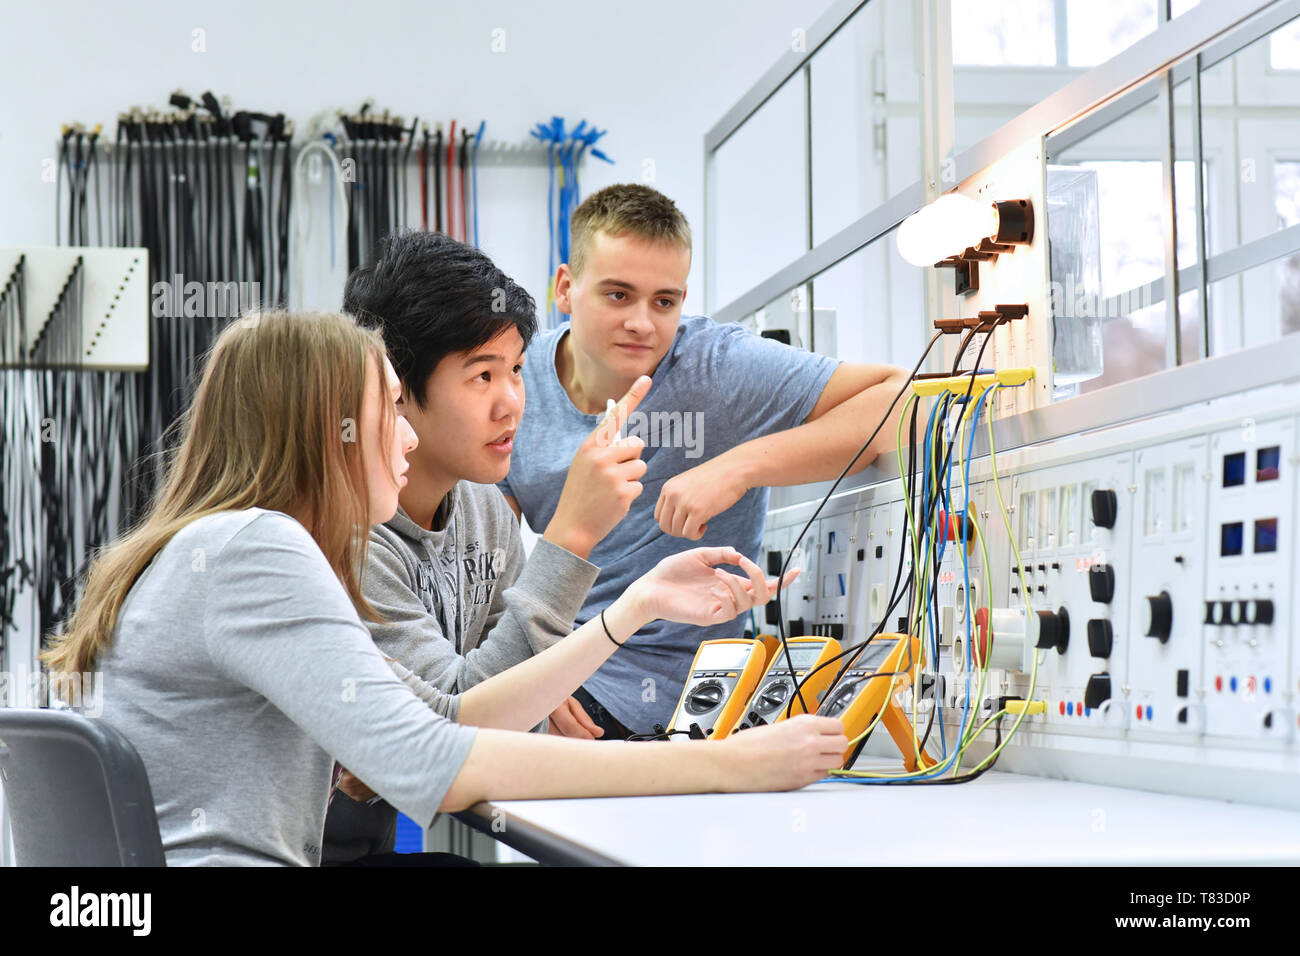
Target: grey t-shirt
<point>719,386</point>
<point>240,671</point>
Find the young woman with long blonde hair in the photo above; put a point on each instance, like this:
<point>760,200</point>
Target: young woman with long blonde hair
<point>228,627</point>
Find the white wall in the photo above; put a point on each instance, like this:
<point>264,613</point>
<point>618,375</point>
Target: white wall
<point>657,75</point>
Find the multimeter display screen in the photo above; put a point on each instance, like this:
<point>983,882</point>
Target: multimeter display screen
<point>801,655</point>
<point>874,655</point>
<point>722,657</point>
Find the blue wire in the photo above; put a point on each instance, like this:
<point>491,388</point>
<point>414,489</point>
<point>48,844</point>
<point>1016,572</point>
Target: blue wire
<point>943,766</point>
<point>565,152</point>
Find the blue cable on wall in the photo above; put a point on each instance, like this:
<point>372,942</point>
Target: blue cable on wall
<point>565,151</point>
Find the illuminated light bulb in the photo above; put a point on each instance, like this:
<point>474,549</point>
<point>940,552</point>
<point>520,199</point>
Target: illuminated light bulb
<point>945,228</point>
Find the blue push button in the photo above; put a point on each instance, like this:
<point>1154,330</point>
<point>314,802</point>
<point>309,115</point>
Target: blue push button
<point>1232,685</point>
<point>1069,709</point>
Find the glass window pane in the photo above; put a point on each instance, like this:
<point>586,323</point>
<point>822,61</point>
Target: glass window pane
<point>1255,307</point>
<point>1133,344</point>
<point>760,209</point>
<point>1132,220</point>
<point>866,129</point>
<point>1106,222</point>
<point>1284,47</point>
<point>875,303</point>
<point>1252,144</point>
<point>1003,33</point>
<point>1099,29</point>
<point>1286,192</point>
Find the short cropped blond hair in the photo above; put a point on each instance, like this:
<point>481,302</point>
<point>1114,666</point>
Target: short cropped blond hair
<point>626,209</point>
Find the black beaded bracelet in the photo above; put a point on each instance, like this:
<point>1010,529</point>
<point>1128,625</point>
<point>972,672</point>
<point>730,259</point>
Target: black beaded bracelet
<point>606,627</point>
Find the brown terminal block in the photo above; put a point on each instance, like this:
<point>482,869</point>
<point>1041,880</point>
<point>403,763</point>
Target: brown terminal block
<point>966,272</point>
<point>997,248</point>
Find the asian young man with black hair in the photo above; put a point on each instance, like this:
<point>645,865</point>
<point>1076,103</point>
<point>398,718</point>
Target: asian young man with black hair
<point>456,328</point>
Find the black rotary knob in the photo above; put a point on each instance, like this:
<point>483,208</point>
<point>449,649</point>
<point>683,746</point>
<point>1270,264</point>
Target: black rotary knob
<point>704,697</point>
<point>1101,637</point>
<point>1054,629</point>
<point>772,696</point>
<point>1098,690</point>
<point>1160,617</point>
<point>1105,507</point>
<point>839,703</point>
<point>1101,583</point>
<point>1257,611</point>
<point>1220,613</point>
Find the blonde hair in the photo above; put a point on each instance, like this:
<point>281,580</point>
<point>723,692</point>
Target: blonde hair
<point>274,424</point>
<point>621,210</point>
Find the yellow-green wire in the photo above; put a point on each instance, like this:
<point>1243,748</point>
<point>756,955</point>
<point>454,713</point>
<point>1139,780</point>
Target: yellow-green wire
<point>966,738</point>
<point>1024,588</point>
<point>969,738</point>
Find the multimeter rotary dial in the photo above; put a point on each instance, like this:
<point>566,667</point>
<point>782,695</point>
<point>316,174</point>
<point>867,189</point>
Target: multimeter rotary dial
<point>772,696</point>
<point>840,702</point>
<point>705,697</point>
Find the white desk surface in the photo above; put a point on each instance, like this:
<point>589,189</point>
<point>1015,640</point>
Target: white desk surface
<point>997,819</point>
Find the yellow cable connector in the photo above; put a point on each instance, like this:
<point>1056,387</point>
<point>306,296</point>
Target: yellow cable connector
<point>1030,707</point>
<point>961,384</point>
<point>1011,377</point>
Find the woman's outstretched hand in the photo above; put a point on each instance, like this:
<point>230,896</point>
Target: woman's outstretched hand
<point>688,588</point>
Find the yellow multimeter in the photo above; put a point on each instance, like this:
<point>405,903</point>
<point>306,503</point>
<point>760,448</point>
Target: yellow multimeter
<point>775,698</point>
<point>771,644</point>
<point>859,696</point>
<point>721,680</point>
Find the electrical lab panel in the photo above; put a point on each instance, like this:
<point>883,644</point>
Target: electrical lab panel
<point>798,602</point>
<point>1157,560</point>
<point>839,573</point>
<point>1246,615</point>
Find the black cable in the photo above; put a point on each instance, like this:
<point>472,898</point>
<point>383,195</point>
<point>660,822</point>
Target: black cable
<point>286,203</point>
<point>928,506</point>
<point>60,166</point>
<point>780,623</point>
<point>894,597</point>
<point>437,179</point>
<point>404,166</point>
<point>94,161</point>
<point>944,781</point>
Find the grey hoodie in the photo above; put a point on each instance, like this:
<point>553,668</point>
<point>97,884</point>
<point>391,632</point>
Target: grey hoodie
<point>449,619</point>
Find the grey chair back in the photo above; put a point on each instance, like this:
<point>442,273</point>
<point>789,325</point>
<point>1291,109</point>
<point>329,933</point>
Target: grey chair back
<point>77,792</point>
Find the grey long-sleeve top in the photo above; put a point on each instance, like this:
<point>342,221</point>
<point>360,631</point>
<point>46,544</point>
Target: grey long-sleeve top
<point>240,670</point>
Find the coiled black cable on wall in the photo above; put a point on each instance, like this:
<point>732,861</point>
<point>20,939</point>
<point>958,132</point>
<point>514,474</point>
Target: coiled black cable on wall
<point>207,190</point>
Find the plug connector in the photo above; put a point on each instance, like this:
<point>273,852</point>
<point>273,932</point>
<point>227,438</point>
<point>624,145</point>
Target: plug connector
<point>1018,705</point>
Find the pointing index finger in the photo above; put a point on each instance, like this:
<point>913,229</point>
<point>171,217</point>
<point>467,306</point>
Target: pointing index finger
<point>609,430</point>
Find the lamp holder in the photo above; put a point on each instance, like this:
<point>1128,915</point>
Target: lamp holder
<point>1015,222</point>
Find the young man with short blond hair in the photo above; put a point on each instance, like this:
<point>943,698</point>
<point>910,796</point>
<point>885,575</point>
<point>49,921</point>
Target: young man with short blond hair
<point>729,414</point>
